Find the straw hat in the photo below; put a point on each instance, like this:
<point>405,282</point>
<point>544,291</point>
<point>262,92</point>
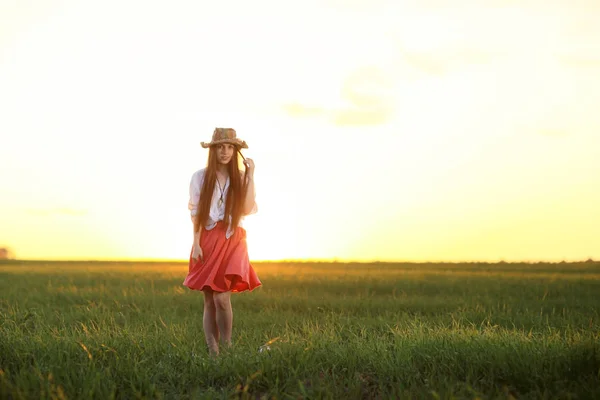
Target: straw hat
<point>225,135</point>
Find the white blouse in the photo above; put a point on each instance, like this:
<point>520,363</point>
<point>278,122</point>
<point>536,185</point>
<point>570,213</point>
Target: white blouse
<point>217,212</point>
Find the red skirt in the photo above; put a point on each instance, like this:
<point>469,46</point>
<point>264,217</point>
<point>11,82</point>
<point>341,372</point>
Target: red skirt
<point>226,266</point>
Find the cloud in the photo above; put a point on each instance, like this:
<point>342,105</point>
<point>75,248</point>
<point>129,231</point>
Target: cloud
<point>439,61</point>
<point>367,97</point>
<point>46,212</point>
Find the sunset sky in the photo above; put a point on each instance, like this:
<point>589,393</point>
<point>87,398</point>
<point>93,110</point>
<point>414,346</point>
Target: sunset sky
<point>381,130</point>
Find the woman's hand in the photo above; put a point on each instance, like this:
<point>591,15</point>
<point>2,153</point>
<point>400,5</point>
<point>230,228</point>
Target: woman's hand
<point>197,252</point>
<point>249,163</point>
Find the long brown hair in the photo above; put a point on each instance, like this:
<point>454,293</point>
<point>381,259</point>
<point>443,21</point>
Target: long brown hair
<point>236,192</point>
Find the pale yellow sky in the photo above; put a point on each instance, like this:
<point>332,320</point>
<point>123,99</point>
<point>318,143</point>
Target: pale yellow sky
<point>381,130</point>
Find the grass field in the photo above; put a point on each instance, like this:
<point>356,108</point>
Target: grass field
<point>339,331</point>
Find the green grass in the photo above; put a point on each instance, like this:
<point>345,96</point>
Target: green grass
<point>340,331</point>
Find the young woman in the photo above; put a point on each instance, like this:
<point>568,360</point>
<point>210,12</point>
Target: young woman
<point>220,196</point>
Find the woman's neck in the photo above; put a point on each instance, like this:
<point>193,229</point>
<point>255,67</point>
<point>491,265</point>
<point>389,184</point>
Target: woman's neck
<point>222,169</point>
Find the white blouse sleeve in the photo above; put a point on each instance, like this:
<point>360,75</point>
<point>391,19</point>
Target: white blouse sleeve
<point>195,187</point>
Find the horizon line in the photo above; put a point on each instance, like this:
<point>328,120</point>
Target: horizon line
<point>310,260</point>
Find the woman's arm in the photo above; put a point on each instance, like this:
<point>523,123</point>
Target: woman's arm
<point>250,197</point>
<point>250,200</point>
<point>196,249</point>
<point>195,185</point>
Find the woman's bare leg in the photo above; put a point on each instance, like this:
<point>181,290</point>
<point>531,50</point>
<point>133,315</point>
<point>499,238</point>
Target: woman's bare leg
<point>222,303</point>
<point>209,323</point>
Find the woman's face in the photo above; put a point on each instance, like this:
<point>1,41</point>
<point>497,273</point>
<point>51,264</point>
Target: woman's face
<point>225,152</point>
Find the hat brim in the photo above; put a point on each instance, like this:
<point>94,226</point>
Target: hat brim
<point>236,142</point>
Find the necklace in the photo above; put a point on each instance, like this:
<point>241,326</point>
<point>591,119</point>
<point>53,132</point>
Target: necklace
<point>222,190</point>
